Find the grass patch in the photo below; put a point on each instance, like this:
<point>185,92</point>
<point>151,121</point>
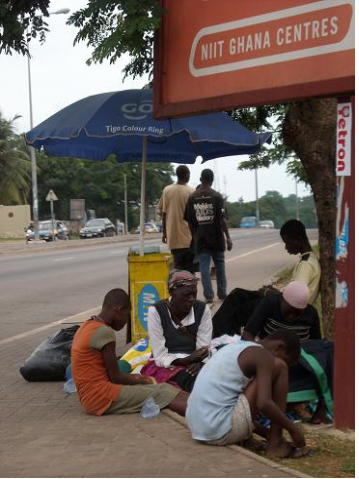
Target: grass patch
<point>329,457</point>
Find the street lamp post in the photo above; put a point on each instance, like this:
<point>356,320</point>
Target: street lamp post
<point>35,204</point>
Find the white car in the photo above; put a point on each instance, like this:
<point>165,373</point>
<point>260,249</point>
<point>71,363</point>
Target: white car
<point>266,224</point>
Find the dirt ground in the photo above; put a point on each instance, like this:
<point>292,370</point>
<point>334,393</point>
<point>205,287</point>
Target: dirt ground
<point>332,453</point>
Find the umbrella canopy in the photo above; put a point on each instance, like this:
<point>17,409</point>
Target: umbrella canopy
<point>114,123</point>
<point>121,123</point>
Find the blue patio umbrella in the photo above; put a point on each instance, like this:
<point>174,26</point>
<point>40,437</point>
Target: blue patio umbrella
<point>121,123</point>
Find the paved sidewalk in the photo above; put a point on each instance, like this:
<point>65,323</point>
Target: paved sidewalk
<point>45,433</point>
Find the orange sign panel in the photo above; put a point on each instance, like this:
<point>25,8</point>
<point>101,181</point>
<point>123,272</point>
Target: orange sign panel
<point>216,54</point>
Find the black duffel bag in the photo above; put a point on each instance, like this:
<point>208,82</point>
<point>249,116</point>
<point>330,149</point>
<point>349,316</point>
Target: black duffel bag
<point>50,359</point>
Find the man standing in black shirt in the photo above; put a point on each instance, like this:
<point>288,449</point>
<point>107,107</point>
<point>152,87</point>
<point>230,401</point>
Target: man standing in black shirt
<point>205,216</point>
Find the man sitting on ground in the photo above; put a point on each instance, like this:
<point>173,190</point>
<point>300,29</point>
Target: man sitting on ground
<point>240,381</point>
<point>240,304</point>
<point>101,387</point>
<point>289,310</point>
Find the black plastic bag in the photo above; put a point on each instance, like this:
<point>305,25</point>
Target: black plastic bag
<point>50,359</point>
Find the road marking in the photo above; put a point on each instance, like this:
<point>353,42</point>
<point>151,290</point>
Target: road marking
<point>63,259</point>
<point>70,319</point>
<point>85,314</point>
<point>251,252</point>
<point>117,252</point>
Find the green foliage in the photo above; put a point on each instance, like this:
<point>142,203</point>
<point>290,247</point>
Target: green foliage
<point>19,22</point>
<point>15,165</point>
<point>113,28</point>
<point>273,206</point>
<point>101,184</point>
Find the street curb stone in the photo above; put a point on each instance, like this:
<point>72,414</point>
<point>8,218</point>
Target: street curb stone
<point>181,420</point>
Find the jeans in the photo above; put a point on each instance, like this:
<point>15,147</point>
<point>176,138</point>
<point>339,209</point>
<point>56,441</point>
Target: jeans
<point>204,267</point>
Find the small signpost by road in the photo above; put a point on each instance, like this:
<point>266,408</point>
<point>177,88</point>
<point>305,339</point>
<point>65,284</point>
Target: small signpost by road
<point>52,197</point>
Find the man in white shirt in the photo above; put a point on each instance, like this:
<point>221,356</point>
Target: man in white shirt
<point>180,332</point>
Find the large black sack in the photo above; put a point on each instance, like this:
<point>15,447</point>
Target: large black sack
<point>50,359</point>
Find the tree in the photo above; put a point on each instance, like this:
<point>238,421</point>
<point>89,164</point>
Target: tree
<point>115,27</point>
<point>309,129</point>
<point>15,165</point>
<point>101,184</point>
<point>19,22</point>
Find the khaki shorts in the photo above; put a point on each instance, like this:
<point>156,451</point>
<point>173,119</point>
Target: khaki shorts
<point>242,425</point>
<point>131,398</point>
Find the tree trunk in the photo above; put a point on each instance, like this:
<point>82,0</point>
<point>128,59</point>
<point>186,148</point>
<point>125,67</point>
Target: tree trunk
<point>309,129</point>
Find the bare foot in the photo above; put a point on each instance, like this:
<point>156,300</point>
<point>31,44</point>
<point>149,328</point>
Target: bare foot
<point>254,444</point>
<point>285,450</point>
<point>281,450</point>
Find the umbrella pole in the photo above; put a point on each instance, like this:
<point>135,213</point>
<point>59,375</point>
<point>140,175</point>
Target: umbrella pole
<point>143,196</point>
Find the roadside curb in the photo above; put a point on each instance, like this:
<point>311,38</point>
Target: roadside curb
<point>181,420</point>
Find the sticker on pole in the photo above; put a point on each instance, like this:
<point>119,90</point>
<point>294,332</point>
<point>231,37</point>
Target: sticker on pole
<point>146,298</point>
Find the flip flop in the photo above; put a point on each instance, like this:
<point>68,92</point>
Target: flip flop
<point>298,452</point>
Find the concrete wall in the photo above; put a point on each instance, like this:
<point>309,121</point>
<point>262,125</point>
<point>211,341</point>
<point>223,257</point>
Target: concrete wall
<point>13,220</point>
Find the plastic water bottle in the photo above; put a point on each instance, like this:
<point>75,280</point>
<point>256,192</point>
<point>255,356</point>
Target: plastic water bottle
<point>150,409</point>
<point>69,386</point>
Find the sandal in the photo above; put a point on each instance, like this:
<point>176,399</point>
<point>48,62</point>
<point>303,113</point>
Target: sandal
<point>298,452</point>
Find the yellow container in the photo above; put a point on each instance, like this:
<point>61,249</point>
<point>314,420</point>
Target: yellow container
<point>148,277</point>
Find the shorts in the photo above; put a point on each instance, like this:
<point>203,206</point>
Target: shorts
<point>242,425</point>
<point>132,398</point>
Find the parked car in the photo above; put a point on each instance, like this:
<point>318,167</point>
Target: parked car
<point>249,222</point>
<point>47,232</point>
<point>97,227</point>
<point>149,228</point>
<point>266,224</point>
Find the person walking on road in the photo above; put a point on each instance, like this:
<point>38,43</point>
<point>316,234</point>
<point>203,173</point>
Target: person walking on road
<point>205,215</point>
<point>176,232</point>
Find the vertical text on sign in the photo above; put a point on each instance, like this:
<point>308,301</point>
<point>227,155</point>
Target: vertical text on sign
<point>344,132</point>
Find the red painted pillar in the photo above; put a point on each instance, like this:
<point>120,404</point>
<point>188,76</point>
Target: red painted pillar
<point>344,363</point>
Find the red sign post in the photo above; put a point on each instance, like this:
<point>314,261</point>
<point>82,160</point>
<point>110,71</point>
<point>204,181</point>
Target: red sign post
<point>221,54</point>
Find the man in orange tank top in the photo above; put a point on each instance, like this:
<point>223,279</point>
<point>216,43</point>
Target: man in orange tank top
<point>101,387</point>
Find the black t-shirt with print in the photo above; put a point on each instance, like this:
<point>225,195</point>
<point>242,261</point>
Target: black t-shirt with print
<point>204,211</point>
<point>268,318</point>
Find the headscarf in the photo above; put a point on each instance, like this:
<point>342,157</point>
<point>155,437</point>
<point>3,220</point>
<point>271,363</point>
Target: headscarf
<point>179,278</point>
<point>296,294</point>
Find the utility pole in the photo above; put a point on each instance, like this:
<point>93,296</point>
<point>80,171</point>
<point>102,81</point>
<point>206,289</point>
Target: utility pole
<point>125,203</point>
<point>257,199</point>
<point>297,204</point>
<point>35,203</point>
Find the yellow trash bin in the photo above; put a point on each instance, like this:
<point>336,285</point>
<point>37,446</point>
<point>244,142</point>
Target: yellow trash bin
<point>148,277</point>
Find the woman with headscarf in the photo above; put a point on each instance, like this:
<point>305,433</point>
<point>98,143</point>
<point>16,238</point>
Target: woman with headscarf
<point>180,331</point>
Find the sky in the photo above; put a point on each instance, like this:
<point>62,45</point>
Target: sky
<point>60,76</point>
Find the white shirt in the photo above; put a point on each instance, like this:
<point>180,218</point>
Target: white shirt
<point>160,353</point>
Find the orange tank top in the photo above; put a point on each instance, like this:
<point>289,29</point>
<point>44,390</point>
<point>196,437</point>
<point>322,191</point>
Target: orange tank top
<point>95,390</point>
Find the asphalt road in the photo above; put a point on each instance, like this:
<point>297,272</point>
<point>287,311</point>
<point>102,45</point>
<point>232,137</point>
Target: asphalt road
<point>38,288</point>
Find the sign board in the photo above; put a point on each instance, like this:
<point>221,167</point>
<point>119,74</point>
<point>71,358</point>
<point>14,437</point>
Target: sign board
<point>217,54</point>
<point>51,196</point>
<point>344,134</point>
<point>148,278</point>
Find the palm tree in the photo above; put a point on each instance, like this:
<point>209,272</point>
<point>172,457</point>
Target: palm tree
<point>15,165</point>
